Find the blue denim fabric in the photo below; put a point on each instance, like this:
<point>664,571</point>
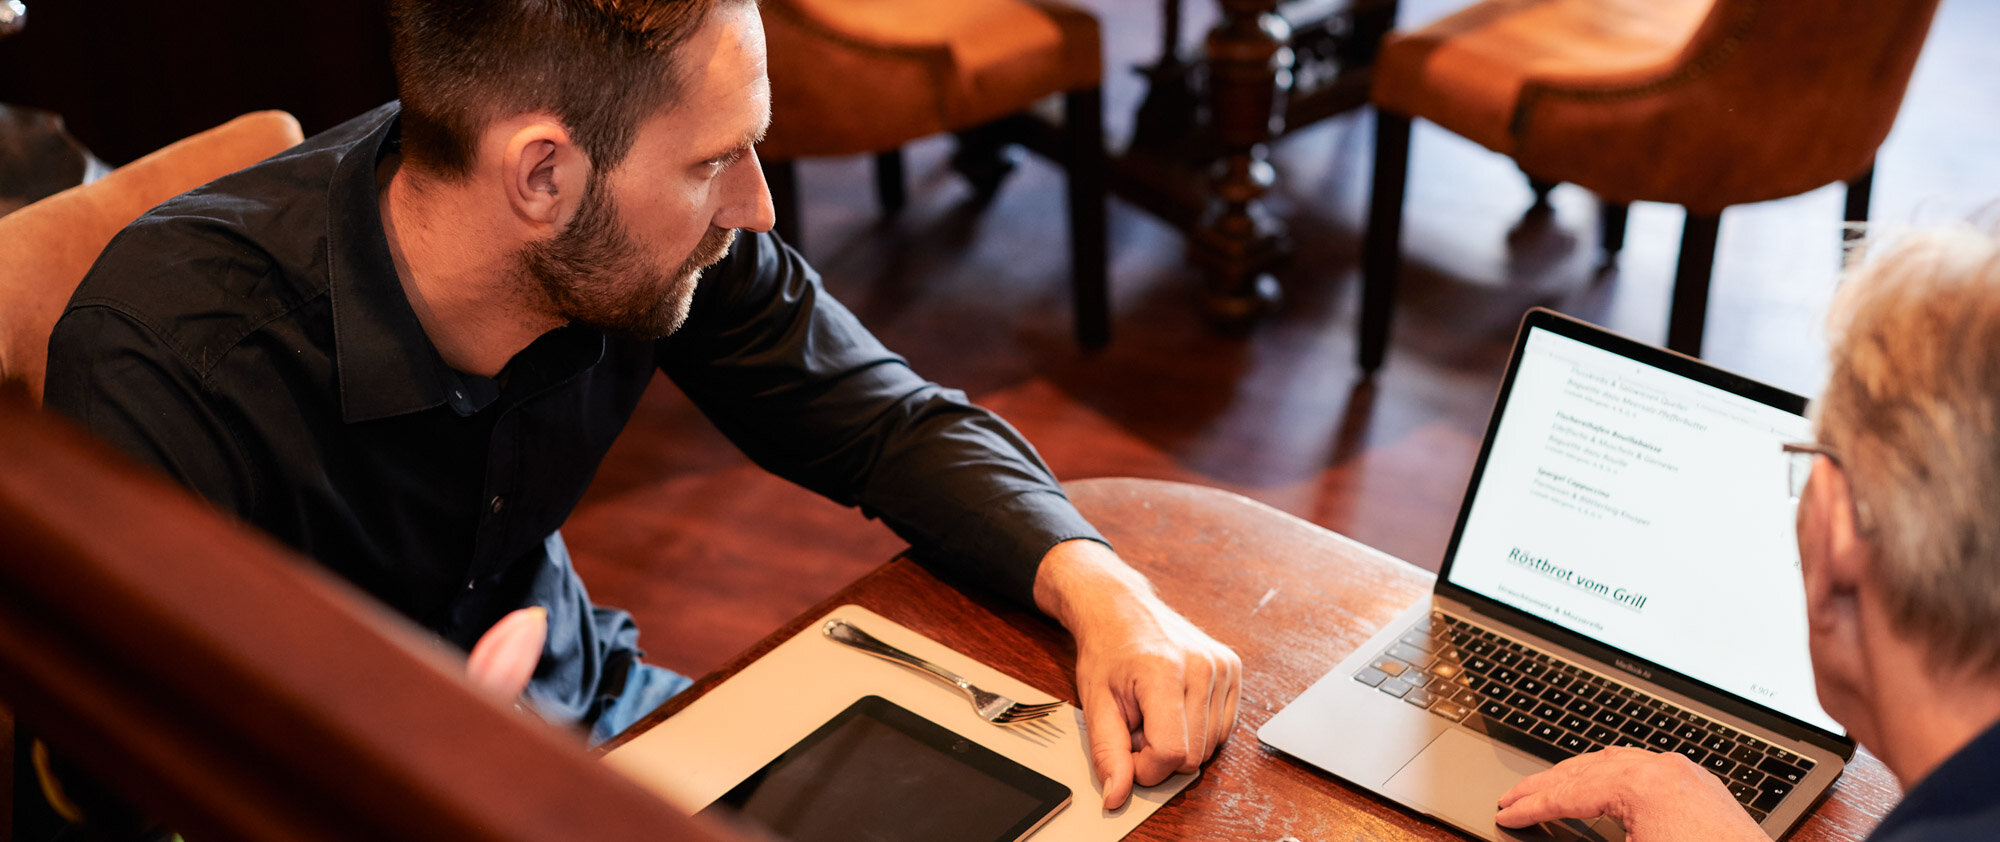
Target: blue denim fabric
<point>646,688</point>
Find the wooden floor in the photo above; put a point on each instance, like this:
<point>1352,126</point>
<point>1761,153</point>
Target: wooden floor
<point>710,553</point>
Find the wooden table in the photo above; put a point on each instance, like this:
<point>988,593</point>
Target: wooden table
<point>1290,597</point>
<point>1197,156</point>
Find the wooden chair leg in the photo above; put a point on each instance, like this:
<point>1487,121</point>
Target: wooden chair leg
<point>7,772</point>
<point>783,179</point>
<point>1691,277</point>
<point>1859,190</point>
<point>1083,154</point>
<point>1542,190</point>
<point>1382,248</point>
<point>889,181</point>
<point>1611,228</point>
<point>986,155</point>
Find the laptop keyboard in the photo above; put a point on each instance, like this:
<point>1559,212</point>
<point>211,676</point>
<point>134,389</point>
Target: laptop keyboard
<point>1555,710</point>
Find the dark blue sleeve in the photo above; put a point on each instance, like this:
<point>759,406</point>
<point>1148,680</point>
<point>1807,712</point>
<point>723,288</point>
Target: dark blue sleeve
<point>792,378</point>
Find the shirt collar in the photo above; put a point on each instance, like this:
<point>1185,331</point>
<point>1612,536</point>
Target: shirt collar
<point>387,365</point>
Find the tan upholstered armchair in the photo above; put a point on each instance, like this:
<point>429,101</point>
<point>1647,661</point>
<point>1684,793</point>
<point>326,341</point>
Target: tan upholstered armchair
<point>867,76</point>
<point>51,243</point>
<point>1699,103</point>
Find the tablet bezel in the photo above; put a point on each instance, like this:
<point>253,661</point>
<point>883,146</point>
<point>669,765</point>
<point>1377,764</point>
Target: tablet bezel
<point>1049,796</point>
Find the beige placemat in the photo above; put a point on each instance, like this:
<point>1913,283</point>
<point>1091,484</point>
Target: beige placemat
<point>700,753</point>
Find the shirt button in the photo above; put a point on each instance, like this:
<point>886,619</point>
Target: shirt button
<point>498,504</point>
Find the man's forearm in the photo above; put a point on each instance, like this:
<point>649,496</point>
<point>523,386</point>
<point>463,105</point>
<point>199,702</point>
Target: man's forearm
<point>1080,579</point>
<point>1158,695</point>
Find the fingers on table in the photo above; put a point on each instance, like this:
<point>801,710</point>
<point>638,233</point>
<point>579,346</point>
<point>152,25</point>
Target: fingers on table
<point>1110,744</point>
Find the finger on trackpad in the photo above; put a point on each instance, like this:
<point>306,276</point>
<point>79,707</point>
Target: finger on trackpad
<point>1460,777</point>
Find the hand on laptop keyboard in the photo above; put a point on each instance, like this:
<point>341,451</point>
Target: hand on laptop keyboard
<point>1554,710</point>
<point>1655,795</point>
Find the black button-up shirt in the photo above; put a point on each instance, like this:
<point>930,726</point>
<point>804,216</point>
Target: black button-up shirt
<point>251,339</point>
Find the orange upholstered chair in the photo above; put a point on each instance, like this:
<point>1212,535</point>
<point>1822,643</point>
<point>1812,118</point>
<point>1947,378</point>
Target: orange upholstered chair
<point>51,243</point>
<point>855,77</point>
<point>1699,103</point>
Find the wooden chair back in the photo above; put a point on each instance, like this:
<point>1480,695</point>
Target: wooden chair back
<point>237,692</point>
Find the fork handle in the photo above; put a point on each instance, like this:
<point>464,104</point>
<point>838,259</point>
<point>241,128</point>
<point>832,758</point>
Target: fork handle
<point>845,632</point>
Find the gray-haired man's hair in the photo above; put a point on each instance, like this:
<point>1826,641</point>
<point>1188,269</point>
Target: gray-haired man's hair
<point>1912,404</point>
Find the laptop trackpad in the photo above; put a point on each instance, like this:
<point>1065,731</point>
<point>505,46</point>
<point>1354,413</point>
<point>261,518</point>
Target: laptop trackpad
<point>1459,778</point>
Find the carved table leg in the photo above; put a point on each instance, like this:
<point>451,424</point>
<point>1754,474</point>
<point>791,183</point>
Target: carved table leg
<point>1238,240</point>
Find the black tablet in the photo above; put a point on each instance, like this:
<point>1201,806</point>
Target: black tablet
<point>878,772</point>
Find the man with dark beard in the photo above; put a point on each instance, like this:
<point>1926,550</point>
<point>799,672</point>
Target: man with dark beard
<point>404,346</point>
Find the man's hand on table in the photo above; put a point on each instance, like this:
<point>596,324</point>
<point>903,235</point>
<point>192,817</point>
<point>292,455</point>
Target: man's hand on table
<point>1158,695</point>
<point>1657,796</point>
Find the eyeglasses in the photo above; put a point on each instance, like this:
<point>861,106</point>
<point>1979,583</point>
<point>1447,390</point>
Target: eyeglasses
<point>1799,457</point>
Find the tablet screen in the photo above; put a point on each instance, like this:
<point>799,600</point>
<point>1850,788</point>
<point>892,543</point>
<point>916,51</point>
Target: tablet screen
<point>878,772</point>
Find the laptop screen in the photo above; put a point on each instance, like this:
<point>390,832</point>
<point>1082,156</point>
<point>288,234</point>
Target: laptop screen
<point>1645,510</point>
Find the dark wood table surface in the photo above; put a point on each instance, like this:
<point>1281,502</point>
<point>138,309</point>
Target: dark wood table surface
<point>1290,597</point>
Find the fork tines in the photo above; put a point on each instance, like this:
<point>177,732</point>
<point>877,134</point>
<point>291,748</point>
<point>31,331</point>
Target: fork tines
<point>1018,712</point>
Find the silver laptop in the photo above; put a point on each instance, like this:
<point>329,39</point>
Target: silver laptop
<point>1623,572</point>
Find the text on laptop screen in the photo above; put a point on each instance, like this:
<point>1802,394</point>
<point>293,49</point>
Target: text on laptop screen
<point>1648,511</point>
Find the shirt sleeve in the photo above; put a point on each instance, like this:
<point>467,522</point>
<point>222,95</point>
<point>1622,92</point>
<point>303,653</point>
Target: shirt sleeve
<point>118,379</point>
<point>795,381</point>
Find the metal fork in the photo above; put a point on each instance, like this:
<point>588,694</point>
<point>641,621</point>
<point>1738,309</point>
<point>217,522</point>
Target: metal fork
<point>992,707</point>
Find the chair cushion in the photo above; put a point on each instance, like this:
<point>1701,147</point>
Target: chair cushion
<point>852,76</point>
<point>1466,71</point>
<point>53,242</point>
